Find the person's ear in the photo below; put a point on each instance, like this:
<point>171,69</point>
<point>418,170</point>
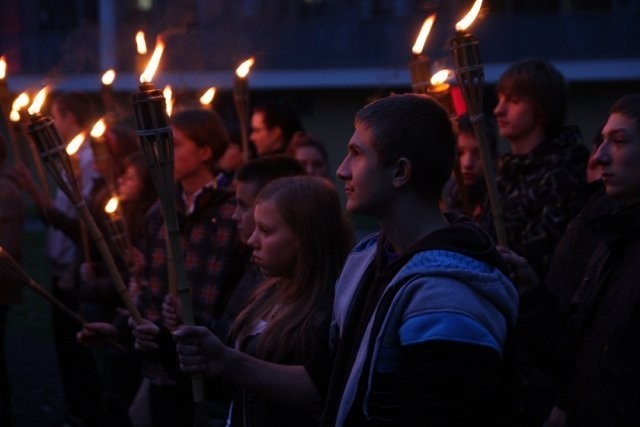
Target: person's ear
<point>206,153</point>
<point>402,172</point>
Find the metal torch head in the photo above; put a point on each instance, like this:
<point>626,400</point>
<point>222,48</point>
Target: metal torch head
<point>45,137</point>
<point>469,70</point>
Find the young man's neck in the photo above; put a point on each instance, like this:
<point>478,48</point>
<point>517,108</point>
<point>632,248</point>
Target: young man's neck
<point>195,182</point>
<point>410,221</point>
<point>526,143</point>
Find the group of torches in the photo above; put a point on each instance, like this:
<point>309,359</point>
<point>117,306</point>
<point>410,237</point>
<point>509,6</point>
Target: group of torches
<point>469,71</point>
<point>152,109</point>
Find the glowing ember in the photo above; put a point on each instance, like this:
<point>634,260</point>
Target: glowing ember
<point>108,77</point>
<point>111,205</point>
<point>244,68</point>
<point>207,97</point>
<point>141,44</point>
<point>152,66</point>
<point>168,96</point>
<point>98,129</point>
<point>422,36</point>
<point>76,143</point>
<point>38,101</point>
<point>440,77</point>
<point>3,68</point>
<point>465,22</point>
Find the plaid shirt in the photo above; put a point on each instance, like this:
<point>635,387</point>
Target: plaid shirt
<point>213,254</point>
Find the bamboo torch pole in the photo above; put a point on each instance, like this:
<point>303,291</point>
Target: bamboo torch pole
<point>469,70</point>
<point>156,139</point>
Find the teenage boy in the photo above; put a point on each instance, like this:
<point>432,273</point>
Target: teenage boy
<point>596,333</point>
<point>541,181</point>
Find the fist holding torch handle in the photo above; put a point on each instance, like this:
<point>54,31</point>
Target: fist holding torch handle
<point>200,351</point>
<point>146,334</point>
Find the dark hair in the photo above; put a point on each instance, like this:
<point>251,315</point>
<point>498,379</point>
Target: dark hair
<point>135,210</point>
<point>122,141</point>
<point>281,114</point>
<point>311,208</point>
<point>464,125</point>
<point>541,83</point>
<point>629,106</point>
<point>303,139</point>
<point>263,170</point>
<point>78,104</point>
<point>415,127</point>
<point>205,128</point>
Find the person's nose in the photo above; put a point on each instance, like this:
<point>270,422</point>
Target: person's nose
<point>499,110</point>
<point>602,156</point>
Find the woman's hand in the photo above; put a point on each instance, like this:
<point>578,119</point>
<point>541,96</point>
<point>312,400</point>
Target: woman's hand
<point>521,274</point>
<point>145,334</point>
<point>96,333</point>
<point>171,312</point>
<point>200,351</point>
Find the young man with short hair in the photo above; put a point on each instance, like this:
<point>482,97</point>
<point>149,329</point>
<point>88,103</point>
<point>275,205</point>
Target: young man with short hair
<point>596,334</point>
<point>423,308</point>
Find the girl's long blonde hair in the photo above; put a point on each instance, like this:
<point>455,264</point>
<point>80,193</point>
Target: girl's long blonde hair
<point>311,208</point>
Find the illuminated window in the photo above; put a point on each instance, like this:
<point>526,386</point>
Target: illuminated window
<point>145,4</point>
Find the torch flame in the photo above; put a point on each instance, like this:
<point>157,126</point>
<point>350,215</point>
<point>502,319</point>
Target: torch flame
<point>168,96</point>
<point>3,68</point>
<point>98,129</point>
<point>111,205</point>
<point>108,77</point>
<point>440,77</point>
<point>244,68</point>
<point>38,101</point>
<point>76,143</point>
<point>465,22</point>
<point>152,66</point>
<point>19,103</point>
<point>422,36</point>
<point>141,44</point>
<point>207,97</point>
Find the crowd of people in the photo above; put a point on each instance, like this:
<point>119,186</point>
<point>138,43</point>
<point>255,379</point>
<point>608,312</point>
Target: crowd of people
<point>424,322</point>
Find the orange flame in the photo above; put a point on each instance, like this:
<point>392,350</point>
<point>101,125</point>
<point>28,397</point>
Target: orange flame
<point>141,44</point>
<point>168,96</point>
<point>3,68</point>
<point>243,70</point>
<point>19,103</point>
<point>98,129</point>
<point>422,36</point>
<point>108,77</point>
<point>207,97</point>
<point>152,66</point>
<point>112,205</point>
<point>38,101</point>
<point>465,22</point>
<point>74,145</point>
<point>440,77</point>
